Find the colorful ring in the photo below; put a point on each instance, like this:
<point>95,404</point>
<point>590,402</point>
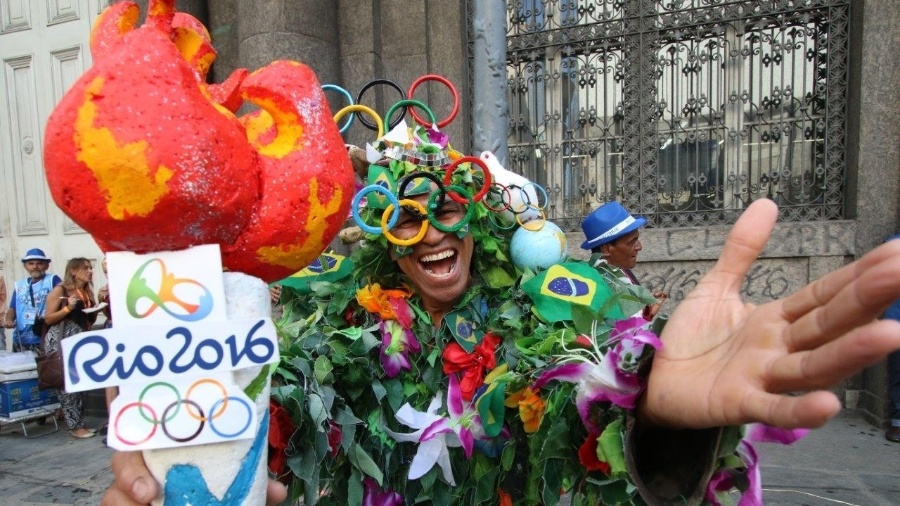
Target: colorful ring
<point>470,208</point>
<point>140,406</point>
<point>404,183</point>
<point>144,392</point>
<point>348,96</point>
<point>243,429</point>
<point>412,240</point>
<point>495,218</point>
<point>503,190</point>
<point>379,124</point>
<point>192,436</point>
<point>448,176</point>
<point>201,418</point>
<point>406,103</point>
<point>354,207</point>
<point>541,189</point>
<point>524,225</point>
<point>445,82</point>
<point>368,85</point>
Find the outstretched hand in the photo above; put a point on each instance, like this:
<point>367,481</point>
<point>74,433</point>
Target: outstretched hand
<point>724,362</point>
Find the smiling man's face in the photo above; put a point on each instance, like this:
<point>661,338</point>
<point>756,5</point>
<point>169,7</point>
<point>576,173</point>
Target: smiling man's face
<point>439,265</point>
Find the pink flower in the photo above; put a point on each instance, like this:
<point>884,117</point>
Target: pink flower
<point>374,496</point>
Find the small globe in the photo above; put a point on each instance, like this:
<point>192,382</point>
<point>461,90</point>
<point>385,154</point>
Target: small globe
<point>534,247</point>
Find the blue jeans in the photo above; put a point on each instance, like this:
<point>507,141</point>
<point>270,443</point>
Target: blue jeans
<point>893,363</point>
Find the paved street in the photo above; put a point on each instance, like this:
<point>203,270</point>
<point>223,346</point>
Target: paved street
<point>848,462</point>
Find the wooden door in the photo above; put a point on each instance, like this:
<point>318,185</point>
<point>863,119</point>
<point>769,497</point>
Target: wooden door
<point>43,49</point>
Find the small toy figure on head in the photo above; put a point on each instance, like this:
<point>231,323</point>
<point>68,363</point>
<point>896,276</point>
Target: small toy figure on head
<point>613,236</point>
<point>26,306</point>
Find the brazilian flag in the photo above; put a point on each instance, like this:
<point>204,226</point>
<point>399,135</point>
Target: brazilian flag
<point>328,267</point>
<point>380,176</point>
<point>555,290</point>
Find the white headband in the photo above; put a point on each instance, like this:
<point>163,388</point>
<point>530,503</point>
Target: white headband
<point>615,230</point>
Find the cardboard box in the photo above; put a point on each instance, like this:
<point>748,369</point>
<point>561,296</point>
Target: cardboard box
<point>20,398</point>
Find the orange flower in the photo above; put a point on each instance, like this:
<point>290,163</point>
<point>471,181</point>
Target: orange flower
<point>531,408</point>
<point>505,499</point>
<point>378,301</point>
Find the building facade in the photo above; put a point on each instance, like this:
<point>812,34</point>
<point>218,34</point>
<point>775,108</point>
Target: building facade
<point>634,100</point>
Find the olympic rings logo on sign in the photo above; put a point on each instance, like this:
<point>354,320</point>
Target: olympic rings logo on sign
<point>183,419</point>
<point>164,297</point>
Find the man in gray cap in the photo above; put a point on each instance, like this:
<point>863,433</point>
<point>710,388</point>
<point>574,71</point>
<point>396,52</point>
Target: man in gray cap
<point>613,236</point>
<point>27,301</point>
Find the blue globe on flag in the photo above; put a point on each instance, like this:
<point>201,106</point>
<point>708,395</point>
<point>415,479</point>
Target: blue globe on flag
<point>535,246</point>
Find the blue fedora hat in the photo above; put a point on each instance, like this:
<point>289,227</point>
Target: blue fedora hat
<point>35,254</point>
<point>607,223</point>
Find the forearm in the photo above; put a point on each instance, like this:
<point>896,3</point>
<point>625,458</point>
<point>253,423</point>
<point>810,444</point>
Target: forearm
<point>10,318</point>
<point>57,308</point>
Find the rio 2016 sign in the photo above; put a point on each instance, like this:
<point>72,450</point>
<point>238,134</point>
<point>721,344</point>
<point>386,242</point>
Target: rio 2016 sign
<point>172,352</point>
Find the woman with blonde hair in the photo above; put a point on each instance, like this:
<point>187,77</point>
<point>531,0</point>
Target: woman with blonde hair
<point>66,316</point>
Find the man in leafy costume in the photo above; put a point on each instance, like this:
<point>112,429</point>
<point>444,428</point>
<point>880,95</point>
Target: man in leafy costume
<point>427,368</point>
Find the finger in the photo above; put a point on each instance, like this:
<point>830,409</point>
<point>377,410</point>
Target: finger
<point>115,497</point>
<point>874,287</point>
<point>745,242</point>
<point>822,290</point>
<point>836,360</point>
<point>275,493</point>
<point>809,410</point>
<point>133,478</point>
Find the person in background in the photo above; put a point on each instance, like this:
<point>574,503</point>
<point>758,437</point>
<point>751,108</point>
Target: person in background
<point>66,316</point>
<point>28,301</point>
<point>613,237</point>
<point>3,303</point>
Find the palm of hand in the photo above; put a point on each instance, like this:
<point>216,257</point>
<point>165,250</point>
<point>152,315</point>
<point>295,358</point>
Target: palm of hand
<point>724,362</point>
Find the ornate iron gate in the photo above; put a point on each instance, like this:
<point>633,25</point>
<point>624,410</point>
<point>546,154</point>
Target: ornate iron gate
<point>684,110</point>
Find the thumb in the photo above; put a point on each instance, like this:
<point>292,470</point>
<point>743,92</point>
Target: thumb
<point>745,242</point>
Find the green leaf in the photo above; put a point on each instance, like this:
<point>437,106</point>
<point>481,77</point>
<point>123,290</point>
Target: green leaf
<point>259,382</point>
<point>611,449</point>
<point>362,461</point>
<point>323,370</point>
<point>354,488</point>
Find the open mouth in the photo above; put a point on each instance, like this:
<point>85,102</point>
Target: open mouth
<point>439,264</point>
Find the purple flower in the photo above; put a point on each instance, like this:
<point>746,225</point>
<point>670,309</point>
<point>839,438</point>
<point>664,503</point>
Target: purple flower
<point>437,137</point>
<point>724,480</point>
<point>396,344</point>
<point>609,376</point>
<point>374,496</point>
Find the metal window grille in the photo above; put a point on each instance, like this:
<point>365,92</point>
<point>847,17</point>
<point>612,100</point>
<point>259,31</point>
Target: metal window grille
<point>684,110</point>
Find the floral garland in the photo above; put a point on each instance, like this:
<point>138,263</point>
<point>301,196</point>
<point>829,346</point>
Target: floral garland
<point>512,399</point>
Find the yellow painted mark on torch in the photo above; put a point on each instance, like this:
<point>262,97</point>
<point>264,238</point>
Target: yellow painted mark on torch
<point>287,255</point>
<point>131,187</point>
<point>289,131</point>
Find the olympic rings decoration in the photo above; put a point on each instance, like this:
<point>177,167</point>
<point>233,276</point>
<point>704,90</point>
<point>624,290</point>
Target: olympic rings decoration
<point>470,208</point>
<point>354,207</point>
<point>379,124</point>
<point>538,189</point>
<point>404,183</point>
<point>527,225</point>
<point>415,103</point>
<point>484,170</point>
<point>224,402</point>
<point>423,228</point>
<point>192,407</point>
<point>199,428</point>
<point>502,191</point>
<point>445,82</point>
<point>390,83</point>
<point>346,94</point>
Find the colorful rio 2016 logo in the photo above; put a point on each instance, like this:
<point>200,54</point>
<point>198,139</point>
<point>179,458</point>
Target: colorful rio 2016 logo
<point>183,418</point>
<point>165,297</point>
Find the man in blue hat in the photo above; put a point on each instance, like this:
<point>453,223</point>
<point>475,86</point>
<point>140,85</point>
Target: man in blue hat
<point>28,301</point>
<point>613,236</point>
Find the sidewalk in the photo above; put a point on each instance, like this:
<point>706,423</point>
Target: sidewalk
<point>848,462</point>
